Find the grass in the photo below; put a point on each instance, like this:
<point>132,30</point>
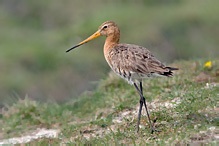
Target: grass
<point>184,106</point>
<point>35,35</point>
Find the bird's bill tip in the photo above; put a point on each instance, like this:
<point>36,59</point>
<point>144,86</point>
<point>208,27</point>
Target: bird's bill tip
<point>95,35</point>
<point>72,48</point>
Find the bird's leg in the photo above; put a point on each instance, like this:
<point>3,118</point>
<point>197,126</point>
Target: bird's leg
<point>145,105</point>
<point>140,108</point>
<point>142,101</point>
<point>141,88</point>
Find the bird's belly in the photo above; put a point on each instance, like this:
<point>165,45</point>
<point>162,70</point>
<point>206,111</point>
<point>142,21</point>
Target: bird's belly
<point>137,77</point>
<point>131,77</point>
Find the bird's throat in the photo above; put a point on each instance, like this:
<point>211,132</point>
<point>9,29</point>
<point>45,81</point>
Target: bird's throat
<point>110,42</point>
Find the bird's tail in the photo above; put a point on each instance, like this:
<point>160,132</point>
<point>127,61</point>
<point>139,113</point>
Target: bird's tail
<point>169,73</point>
<point>172,68</point>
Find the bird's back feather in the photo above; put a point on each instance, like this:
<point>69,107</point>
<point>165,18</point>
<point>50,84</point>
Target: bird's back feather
<point>127,60</point>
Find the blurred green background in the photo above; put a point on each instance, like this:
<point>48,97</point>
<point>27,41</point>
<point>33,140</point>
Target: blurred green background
<point>34,36</point>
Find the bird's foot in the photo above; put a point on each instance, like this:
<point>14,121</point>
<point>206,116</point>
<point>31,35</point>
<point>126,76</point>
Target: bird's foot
<point>154,130</point>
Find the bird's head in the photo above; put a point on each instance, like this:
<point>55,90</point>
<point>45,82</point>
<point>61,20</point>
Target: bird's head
<point>108,28</point>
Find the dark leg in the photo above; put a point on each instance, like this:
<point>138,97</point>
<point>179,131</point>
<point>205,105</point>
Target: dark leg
<point>141,88</point>
<point>145,105</point>
<point>140,109</point>
<point>139,114</point>
<point>142,101</point>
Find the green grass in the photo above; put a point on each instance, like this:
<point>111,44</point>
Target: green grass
<point>192,94</point>
<point>35,35</point>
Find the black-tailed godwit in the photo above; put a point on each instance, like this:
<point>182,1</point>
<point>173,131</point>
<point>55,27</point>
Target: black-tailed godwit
<point>131,62</point>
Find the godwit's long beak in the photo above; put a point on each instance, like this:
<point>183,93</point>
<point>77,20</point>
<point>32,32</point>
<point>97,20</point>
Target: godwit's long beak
<point>95,35</point>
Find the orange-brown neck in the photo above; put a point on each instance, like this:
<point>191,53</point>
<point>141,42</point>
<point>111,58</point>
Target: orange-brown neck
<point>111,41</point>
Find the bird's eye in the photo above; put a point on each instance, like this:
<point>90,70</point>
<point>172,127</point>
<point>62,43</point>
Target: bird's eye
<point>105,26</point>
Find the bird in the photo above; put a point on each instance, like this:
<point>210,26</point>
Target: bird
<point>131,62</point>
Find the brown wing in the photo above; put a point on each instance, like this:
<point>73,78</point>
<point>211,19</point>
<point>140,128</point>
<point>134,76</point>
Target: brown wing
<point>133,58</point>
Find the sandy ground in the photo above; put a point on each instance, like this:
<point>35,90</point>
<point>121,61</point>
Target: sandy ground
<point>37,134</point>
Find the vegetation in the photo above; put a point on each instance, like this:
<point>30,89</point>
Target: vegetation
<point>43,87</point>
<point>35,35</point>
<point>184,106</point>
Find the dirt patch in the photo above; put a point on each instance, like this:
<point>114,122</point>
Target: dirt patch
<point>37,134</point>
<point>212,134</point>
